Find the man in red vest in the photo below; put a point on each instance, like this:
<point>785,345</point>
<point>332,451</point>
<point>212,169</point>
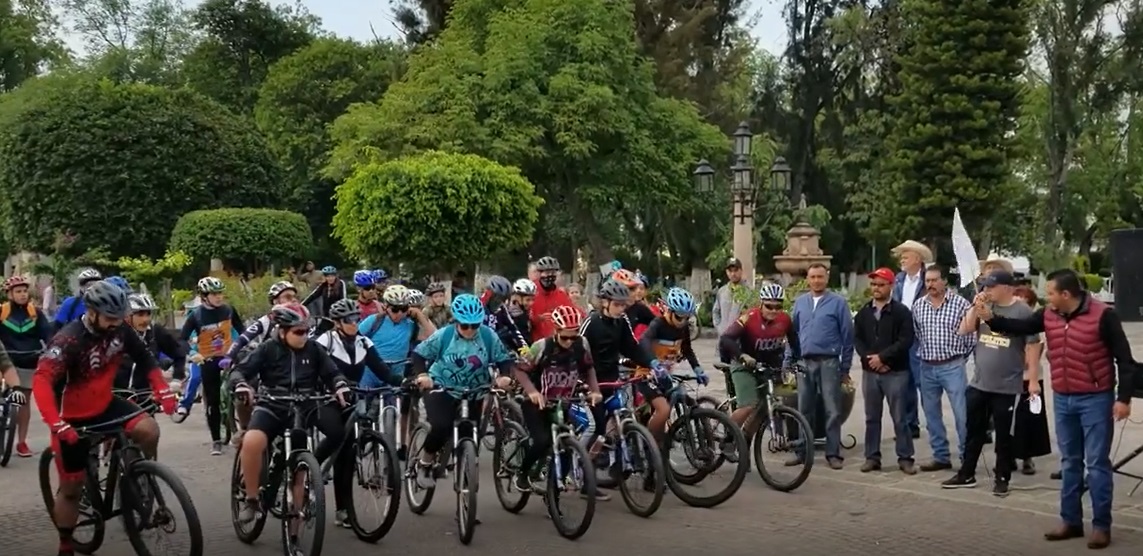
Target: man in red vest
<point>1087,348</point>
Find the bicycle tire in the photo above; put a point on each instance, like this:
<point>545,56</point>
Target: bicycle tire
<point>808,441</point>
<point>8,435</point>
<point>710,402</point>
<point>370,440</point>
<point>504,483</point>
<point>156,470</point>
<point>238,495</point>
<point>554,489</point>
<point>633,431</point>
<point>316,487</point>
<point>226,409</point>
<point>418,503</point>
<point>742,466</point>
<point>390,421</point>
<point>49,496</point>
<point>468,475</point>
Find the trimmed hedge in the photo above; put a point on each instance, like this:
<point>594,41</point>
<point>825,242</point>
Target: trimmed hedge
<point>242,234</point>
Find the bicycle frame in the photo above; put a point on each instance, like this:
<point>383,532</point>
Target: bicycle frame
<point>123,453</point>
<point>276,456</point>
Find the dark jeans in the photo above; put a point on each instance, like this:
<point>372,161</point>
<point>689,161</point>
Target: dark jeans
<point>823,374</point>
<point>912,395</point>
<point>878,389</point>
<point>982,409</point>
<point>1084,429</point>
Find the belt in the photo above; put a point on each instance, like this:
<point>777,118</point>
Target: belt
<point>942,361</point>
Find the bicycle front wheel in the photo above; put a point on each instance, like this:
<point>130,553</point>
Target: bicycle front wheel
<point>705,438</point>
<point>377,482</point>
<point>784,422</point>
<point>8,433</point>
<point>146,509</point>
<point>303,505</point>
<point>467,484</point>
<point>507,455</point>
<point>571,476</point>
<point>640,462</point>
<point>419,498</point>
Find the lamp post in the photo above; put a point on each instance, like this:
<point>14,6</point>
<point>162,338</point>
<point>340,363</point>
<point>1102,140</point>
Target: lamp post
<point>743,192</point>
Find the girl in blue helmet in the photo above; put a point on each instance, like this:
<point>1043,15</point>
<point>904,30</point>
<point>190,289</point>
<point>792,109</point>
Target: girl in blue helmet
<point>366,282</point>
<point>668,338</point>
<point>456,357</point>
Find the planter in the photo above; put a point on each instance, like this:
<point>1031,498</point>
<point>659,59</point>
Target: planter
<point>789,396</point>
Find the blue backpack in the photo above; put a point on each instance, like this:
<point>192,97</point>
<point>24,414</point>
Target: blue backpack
<point>487,336</point>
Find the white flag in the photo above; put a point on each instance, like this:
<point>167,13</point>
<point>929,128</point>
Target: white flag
<point>965,253</point>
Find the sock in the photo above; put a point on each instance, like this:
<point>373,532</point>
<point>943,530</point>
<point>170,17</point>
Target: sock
<point>65,539</point>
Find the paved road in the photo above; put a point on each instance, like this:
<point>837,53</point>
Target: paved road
<point>836,512</point>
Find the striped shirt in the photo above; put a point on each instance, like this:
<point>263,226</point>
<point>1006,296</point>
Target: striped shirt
<point>936,328</point>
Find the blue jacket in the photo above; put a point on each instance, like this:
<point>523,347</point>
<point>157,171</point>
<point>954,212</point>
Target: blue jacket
<point>899,287</point>
<point>70,309</point>
<point>825,330</point>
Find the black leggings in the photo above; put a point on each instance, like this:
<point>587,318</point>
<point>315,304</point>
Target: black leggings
<point>539,424</point>
<point>441,411</point>
<point>345,466</point>
<point>211,396</point>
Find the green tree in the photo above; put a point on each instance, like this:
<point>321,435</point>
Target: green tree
<point>951,141</point>
<point>241,39</point>
<point>556,88</point>
<point>27,41</point>
<point>435,209</point>
<point>113,163</point>
<point>304,93</point>
<point>252,238</point>
<point>132,40</point>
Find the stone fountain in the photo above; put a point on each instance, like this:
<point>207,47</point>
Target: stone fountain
<point>802,247</point>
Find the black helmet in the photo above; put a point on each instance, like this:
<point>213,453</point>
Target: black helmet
<point>343,308</point>
<point>613,290</point>
<point>107,299</point>
<point>290,315</point>
<point>435,287</point>
<point>499,286</point>
<point>547,263</point>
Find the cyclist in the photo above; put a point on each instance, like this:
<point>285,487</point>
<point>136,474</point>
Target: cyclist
<point>498,317</point>
<point>330,291</point>
<point>157,338</point>
<point>761,334</point>
<point>638,313</point>
<point>358,362</point>
<point>548,297</point>
<point>72,307</point>
<point>380,279</point>
<point>520,305</point>
<point>289,363</point>
<point>555,367</point>
<point>668,339</point>
<point>366,283</point>
<point>457,356</point>
<point>72,389</point>
<point>24,330</point>
<point>216,325</point>
<point>417,299</point>
<point>438,309</point>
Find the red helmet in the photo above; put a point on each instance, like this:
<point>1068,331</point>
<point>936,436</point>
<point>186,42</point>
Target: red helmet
<point>290,315</point>
<point>626,277</point>
<point>14,281</point>
<point>566,317</point>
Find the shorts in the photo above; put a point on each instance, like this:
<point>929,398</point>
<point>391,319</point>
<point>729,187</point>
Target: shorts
<point>273,420</point>
<point>745,387</point>
<point>72,459</point>
<point>648,392</point>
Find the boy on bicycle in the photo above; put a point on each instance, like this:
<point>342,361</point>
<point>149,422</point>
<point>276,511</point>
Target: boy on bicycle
<point>668,338</point>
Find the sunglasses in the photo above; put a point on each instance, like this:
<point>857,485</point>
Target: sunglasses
<point>395,309</point>
<point>568,338</point>
<point>773,306</point>
<point>299,332</point>
<point>351,319</point>
<point>463,326</point>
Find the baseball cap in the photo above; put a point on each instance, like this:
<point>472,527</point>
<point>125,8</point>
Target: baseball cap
<point>733,262</point>
<point>998,278</point>
<point>884,274</point>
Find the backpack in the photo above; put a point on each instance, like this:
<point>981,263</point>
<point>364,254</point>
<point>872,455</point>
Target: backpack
<point>6,311</point>
<point>487,336</point>
<point>377,322</point>
<point>71,313</point>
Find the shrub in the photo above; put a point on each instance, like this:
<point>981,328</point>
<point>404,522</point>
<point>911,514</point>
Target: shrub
<point>254,237</point>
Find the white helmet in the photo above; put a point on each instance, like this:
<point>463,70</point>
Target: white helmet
<point>89,275</point>
<point>524,286</point>
<point>416,298</point>
<point>396,295</point>
<point>210,284</point>
<point>140,303</point>
<point>771,292</point>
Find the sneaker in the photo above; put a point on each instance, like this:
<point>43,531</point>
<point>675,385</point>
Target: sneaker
<point>934,465</point>
<point>216,448</point>
<point>1028,467</point>
<point>958,481</point>
<point>729,451</point>
<point>341,519</point>
<point>250,511</point>
<point>1000,488</point>
<point>23,450</point>
<point>523,482</point>
<point>426,475</point>
<point>180,414</point>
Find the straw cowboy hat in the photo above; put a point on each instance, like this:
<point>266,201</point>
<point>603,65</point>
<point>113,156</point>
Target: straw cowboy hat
<point>1001,263</point>
<point>916,247</point>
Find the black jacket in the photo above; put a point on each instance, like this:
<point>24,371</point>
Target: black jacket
<point>888,337</point>
<point>277,366</point>
<point>610,339</point>
<point>158,340</point>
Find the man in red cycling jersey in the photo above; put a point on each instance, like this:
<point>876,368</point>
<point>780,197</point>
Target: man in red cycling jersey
<point>72,388</point>
<point>549,296</point>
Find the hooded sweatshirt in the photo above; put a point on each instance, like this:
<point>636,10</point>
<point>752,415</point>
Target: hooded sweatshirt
<point>542,306</point>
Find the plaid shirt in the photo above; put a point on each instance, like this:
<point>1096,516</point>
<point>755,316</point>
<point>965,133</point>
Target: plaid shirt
<point>936,328</point>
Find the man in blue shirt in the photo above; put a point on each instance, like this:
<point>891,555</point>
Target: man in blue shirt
<point>825,332</point>
<point>72,308</point>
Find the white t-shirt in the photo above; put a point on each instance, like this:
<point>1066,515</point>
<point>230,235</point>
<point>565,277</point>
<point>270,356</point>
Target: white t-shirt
<point>909,289</point>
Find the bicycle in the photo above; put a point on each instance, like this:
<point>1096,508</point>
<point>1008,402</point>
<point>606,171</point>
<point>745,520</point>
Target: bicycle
<point>630,450</point>
<point>501,406</point>
<point>462,454</point>
<point>292,453</point>
<point>9,410</point>
<point>774,413</point>
<point>131,481</point>
<point>389,422</point>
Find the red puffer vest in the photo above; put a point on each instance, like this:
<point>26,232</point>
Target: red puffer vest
<point>1080,363</point>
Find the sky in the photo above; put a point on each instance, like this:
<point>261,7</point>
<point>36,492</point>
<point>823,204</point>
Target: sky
<point>359,19</point>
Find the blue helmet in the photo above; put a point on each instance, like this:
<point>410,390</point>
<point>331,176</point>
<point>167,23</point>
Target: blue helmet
<point>121,282</point>
<point>680,302</point>
<point>379,275</point>
<point>363,278</point>
<point>328,270</point>
<point>467,309</point>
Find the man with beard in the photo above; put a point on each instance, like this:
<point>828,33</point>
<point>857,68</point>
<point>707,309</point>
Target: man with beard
<point>549,296</point>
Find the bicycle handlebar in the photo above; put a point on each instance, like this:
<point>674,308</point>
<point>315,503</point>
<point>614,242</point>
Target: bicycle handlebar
<point>89,429</point>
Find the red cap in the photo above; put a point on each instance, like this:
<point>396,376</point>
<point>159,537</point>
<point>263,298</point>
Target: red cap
<point>884,274</point>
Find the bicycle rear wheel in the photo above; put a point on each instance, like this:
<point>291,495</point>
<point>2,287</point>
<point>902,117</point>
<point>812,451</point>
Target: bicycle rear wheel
<point>90,529</point>
<point>246,532</point>
<point>8,432</point>
<point>782,419</point>
<point>303,501</point>
<point>377,476</point>
<point>146,508</point>
<point>467,484</point>
<point>704,435</point>
<point>577,480</point>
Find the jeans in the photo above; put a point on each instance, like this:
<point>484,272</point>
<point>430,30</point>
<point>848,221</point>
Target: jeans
<point>944,378</point>
<point>877,389</point>
<point>1084,429</point>
<point>912,398</point>
<point>823,374</point>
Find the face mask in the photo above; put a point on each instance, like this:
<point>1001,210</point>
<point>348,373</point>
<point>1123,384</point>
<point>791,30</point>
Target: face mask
<point>548,283</point>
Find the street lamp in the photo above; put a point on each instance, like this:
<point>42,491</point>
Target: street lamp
<point>742,188</point>
<point>780,176</point>
<point>704,177</point>
<point>743,139</point>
